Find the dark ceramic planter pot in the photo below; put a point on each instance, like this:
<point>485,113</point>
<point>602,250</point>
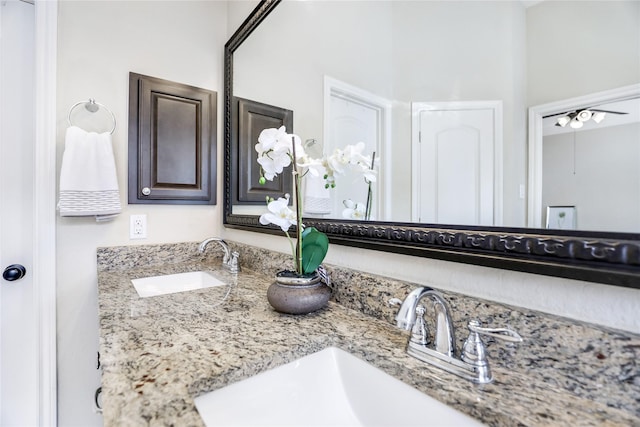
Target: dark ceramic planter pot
<point>293,294</point>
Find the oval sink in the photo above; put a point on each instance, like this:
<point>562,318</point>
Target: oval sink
<point>172,283</point>
<point>327,388</point>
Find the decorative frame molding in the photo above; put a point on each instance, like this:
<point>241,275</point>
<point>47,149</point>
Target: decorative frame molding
<point>610,258</point>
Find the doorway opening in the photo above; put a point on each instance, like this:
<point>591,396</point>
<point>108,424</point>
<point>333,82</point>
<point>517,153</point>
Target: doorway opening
<point>353,115</point>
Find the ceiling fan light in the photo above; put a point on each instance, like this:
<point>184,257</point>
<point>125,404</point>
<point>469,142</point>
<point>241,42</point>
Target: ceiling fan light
<point>563,121</point>
<point>576,123</point>
<point>598,116</point>
<point>584,115</point>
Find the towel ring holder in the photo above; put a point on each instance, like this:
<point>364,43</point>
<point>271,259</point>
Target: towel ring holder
<point>92,106</point>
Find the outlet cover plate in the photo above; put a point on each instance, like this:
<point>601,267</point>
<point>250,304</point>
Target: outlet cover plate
<point>138,226</point>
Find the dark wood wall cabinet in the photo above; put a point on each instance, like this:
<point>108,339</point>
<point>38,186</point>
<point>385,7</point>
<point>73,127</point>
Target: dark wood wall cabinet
<point>172,142</point>
<point>252,118</point>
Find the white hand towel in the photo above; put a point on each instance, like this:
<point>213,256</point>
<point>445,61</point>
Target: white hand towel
<point>88,180</point>
<point>317,198</point>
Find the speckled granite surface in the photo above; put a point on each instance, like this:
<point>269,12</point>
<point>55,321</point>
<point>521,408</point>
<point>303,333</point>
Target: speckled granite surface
<point>160,352</point>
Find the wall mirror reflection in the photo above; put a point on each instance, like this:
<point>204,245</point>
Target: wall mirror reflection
<point>439,91</point>
<point>453,96</point>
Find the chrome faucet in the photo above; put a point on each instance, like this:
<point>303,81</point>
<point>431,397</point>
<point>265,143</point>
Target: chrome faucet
<point>472,362</point>
<point>444,341</point>
<point>230,260</point>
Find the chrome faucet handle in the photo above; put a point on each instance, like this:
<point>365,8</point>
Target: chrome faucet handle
<point>394,302</point>
<point>474,352</point>
<point>419,332</point>
<point>504,334</point>
<point>233,263</point>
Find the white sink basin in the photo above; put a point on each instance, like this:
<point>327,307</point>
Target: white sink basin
<point>171,283</point>
<point>328,388</point>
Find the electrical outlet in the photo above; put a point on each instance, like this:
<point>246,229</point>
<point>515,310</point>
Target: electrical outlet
<point>138,227</point>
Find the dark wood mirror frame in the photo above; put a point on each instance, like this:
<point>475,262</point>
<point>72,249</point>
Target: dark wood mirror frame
<point>610,258</point>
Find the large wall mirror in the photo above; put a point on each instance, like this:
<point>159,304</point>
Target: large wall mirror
<point>487,154</point>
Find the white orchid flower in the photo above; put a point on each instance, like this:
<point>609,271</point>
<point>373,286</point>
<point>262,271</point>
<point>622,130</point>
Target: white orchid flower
<point>315,167</point>
<point>268,138</point>
<point>273,163</point>
<point>369,175</point>
<point>353,210</point>
<point>275,150</point>
<point>279,214</point>
<point>337,162</point>
<point>353,154</point>
<point>284,144</point>
<point>351,158</point>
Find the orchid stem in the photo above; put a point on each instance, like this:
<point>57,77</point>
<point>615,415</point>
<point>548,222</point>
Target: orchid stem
<point>296,194</point>
<point>290,241</point>
<point>367,208</point>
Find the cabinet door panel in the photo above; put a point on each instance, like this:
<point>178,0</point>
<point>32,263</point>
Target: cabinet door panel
<point>172,142</point>
<point>176,148</point>
<point>253,118</point>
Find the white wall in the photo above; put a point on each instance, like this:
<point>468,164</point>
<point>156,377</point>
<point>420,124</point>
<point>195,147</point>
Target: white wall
<point>461,51</point>
<point>99,42</point>
<point>284,61</point>
<point>597,172</point>
<point>577,49</point>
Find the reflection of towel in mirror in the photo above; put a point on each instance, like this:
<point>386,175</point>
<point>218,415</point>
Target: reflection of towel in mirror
<point>317,198</point>
<point>88,180</point>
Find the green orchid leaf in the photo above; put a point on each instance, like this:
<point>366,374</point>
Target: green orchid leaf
<point>314,248</point>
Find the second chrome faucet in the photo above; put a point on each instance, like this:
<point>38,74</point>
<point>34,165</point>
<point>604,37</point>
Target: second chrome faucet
<point>230,260</point>
<point>471,363</point>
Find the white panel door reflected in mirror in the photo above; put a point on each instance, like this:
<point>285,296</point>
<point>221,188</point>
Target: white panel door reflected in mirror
<point>457,161</point>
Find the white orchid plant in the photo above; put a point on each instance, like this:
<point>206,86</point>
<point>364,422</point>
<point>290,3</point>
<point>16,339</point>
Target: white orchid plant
<point>278,150</point>
<point>354,210</point>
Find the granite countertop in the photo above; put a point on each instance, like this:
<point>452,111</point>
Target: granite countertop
<point>159,353</point>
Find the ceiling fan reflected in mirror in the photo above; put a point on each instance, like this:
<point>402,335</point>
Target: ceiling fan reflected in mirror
<point>577,118</point>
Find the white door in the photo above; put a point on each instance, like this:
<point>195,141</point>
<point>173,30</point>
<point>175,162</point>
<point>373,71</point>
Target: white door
<point>457,165</point>
<point>18,320</point>
<point>353,115</point>
<point>352,122</point>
